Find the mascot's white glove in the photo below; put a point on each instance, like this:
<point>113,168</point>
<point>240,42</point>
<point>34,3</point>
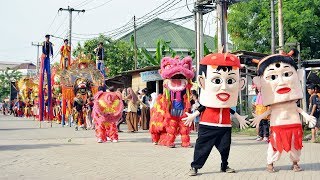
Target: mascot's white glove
<point>310,120</point>
<point>242,121</point>
<point>190,118</point>
<point>255,121</point>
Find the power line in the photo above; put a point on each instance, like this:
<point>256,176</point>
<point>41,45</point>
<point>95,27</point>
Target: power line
<point>142,20</point>
<point>188,6</point>
<point>205,25</point>
<point>99,5</point>
<point>172,28</point>
<point>62,23</point>
<point>52,21</point>
<point>149,18</point>
<point>83,3</point>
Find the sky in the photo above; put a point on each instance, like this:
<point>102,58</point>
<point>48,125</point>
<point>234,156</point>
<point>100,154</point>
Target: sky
<point>26,21</point>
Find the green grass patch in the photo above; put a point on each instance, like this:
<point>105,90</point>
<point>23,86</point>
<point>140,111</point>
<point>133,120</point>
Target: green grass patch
<point>247,131</point>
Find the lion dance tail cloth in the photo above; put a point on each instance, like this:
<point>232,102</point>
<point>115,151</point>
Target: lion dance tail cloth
<point>45,67</point>
<point>166,115</point>
<point>107,110</point>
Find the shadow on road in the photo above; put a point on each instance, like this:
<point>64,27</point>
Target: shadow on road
<point>305,167</point>
<point>16,129</point>
<point>19,147</point>
<point>143,140</point>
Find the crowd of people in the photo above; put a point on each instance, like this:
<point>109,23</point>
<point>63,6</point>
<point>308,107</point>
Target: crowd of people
<point>17,108</point>
<point>136,113</point>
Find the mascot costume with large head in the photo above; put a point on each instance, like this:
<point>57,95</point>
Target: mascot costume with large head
<point>107,110</point>
<point>166,115</point>
<point>220,83</point>
<point>279,80</point>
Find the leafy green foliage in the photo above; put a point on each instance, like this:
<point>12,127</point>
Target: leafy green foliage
<point>163,49</point>
<point>119,55</point>
<point>249,25</point>
<point>6,77</point>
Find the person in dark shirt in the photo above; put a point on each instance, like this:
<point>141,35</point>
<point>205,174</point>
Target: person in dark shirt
<point>100,57</point>
<point>78,104</point>
<point>102,87</point>
<point>313,109</point>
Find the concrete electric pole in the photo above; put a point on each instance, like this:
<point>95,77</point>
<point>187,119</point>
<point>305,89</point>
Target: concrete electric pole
<point>70,10</point>
<point>280,26</point>
<point>135,43</point>
<point>38,45</point>
<point>201,7</point>
<point>222,7</point>
<point>273,42</point>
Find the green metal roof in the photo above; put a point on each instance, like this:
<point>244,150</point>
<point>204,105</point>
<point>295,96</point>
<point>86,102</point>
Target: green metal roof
<point>179,36</point>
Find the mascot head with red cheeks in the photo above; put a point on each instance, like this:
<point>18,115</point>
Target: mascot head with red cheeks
<point>219,80</point>
<point>278,79</point>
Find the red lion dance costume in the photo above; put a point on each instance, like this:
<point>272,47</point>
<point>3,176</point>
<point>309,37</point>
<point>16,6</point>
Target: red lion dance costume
<point>166,115</point>
<point>107,110</point>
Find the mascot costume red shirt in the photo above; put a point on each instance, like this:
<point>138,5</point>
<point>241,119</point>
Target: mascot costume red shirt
<point>166,115</point>
<point>107,110</point>
<point>220,83</point>
<point>279,81</point>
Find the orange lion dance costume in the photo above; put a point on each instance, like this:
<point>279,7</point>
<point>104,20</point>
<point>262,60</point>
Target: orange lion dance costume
<point>170,107</point>
<point>107,110</point>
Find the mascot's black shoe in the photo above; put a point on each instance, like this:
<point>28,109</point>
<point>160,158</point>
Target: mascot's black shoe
<point>193,172</point>
<point>227,170</point>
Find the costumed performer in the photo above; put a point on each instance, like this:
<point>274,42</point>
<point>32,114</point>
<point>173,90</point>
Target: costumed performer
<point>65,52</point>
<point>107,110</point>
<point>279,81</point>
<point>47,51</point>
<point>220,83</point>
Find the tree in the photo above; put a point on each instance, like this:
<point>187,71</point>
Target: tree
<point>163,48</point>
<point>6,77</point>
<point>119,55</point>
<point>249,25</point>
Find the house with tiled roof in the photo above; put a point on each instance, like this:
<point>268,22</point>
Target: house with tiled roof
<point>181,39</point>
<point>26,69</point>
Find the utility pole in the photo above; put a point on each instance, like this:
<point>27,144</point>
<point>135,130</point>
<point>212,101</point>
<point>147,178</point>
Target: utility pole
<point>273,43</point>
<point>201,7</point>
<point>222,8</point>
<point>280,24</point>
<point>70,10</point>
<point>135,43</point>
<point>199,34</point>
<point>38,58</point>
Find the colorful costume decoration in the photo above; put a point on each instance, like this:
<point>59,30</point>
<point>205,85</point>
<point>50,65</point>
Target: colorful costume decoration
<point>279,81</point>
<point>81,77</point>
<point>65,52</point>
<point>107,110</point>
<point>47,51</point>
<point>220,83</point>
<point>166,115</point>
<point>28,109</point>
